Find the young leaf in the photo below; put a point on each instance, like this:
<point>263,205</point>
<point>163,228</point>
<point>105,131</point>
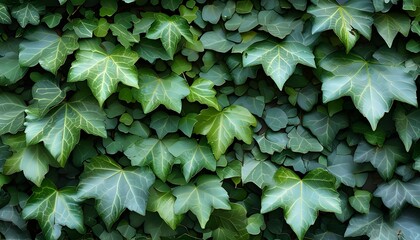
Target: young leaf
<point>301,199</point>
<point>155,90</point>
<point>201,198</point>
<point>203,92</point>
<point>372,85</point>
<point>54,209</point>
<point>169,29</point>
<point>343,19</point>
<point>104,66</point>
<point>408,126</point>
<point>45,47</point>
<point>279,60</point>
<point>12,113</point>
<point>221,127</point>
<point>10,69</point>
<point>115,188</point>
<point>361,201</point>
<point>60,128</point>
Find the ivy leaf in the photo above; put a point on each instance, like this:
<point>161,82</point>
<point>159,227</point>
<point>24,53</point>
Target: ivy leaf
<point>372,85</point>
<point>301,199</point>
<point>104,180</point>
<point>389,24</point>
<point>27,13</point>
<point>193,157</point>
<point>229,224</point>
<point>60,128</point>
<point>84,27</point>
<point>203,92</point>
<point>152,152</point>
<point>272,142</point>
<point>343,19</point>
<point>10,69</point>
<point>54,209</point>
<point>279,60</point>
<point>361,201</point>
<point>4,15</point>
<point>169,29</point>
<point>155,90</point>
<point>259,172</point>
<point>384,159</point>
<point>201,198</point>
<point>33,160</point>
<point>163,123</point>
<point>12,113</point>
<point>46,95</point>
<point>104,66</point>
<point>300,140</point>
<point>221,127</point>
<point>408,126</point>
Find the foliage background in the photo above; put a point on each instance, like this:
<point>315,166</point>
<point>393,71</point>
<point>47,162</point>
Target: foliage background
<point>209,119</point>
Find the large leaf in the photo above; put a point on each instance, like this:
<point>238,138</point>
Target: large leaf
<point>169,29</point>
<point>10,69</point>
<point>343,19</point>
<point>301,199</point>
<point>408,126</point>
<point>201,198</point>
<point>155,90</point>
<point>27,13</point>
<point>60,128</point>
<point>221,127</point>
<point>45,47</point>
<point>54,209</point>
<point>115,188</point>
<point>12,113</point>
<point>279,60</point>
<point>104,66</point>
<point>372,85</point>
<point>203,92</point>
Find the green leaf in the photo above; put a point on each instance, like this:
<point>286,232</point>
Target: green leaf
<point>187,123</point>
<point>4,15</point>
<point>151,50</point>
<point>203,92</point>
<point>346,20</point>
<point>255,224</point>
<point>229,224</point>
<point>221,127</point>
<point>259,172</point>
<point>372,85</point>
<point>104,180</point>
<point>279,60</point>
<point>169,29</point>
<point>46,95</point>
<point>171,5</point>
<point>275,118</point>
<point>45,47</point>
<point>389,24</point>
<point>300,140</point>
<point>10,69</point>
<point>162,201</point>
<point>124,36</point>
<point>153,152</point>
<point>324,127</point>
<point>52,19</point>
<point>212,12</point>
<point>408,126</point>
<point>53,209</point>
<point>84,27</point>
<point>193,157</point>
<point>155,90</point>
<point>33,160</point>
<point>272,142</point>
<point>361,201</point>
<point>216,40</point>
<point>301,199</point>
<point>275,24</point>
<point>201,198</point>
<point>104,66</point>
<point>60,128</point>
<point>12,113</point>
<point>163,123</point>
<point>27,13</point>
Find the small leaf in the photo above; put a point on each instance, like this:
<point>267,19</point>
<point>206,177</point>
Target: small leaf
<point>229,224</point>
<point>300,140</point>
<point>259,172</point>
<point>256,223</point>
<point>203,92</point>
<point>163,123</point>
<point>46,95</point>
<point>52,19</point>
<point>84,27</point>
<point>361,201</point>
<point>389,24</point>
<point>4,15</point>
<point>408,126</point>
<point>10,69</point>
<point>27,13</point>
<point>272,142</point>
<point>12,113</point>
<point>216,40</point>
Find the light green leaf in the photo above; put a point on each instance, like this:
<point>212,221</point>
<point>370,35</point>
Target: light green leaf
<point>155,90</point>
<point>221,127</point>
<point>389,24</point>
<point>203,92</point>
<point>169,29</point>
<point>53,209</point>
<point>33,160</point>
<point>108,8</point>
<point>361,201</point>
<point>104,180</point>
<point>46,95</point>
<point>216,40</point>
<point>272,142</point>
<point>124,36</point>
<point>10,69</point>
<point>259,172</point>
<point>229,224</point>
<point>201,198</point>
<point>343,19</point>
<point>52,19</point>
<point>193,157</point>
<point>45,47</point>
<point>384,159</point>
<point>152,152</point>
<point>187,123</point>
<point>300,140</point>
<point>84,27</point>
<point>27,13</point>
<point>255,224</point>
<point>4,15</point>
<point>212,12</point>
<point>372,85</point>
<point>12,113</point>
<point>104,67</point>
<point>301,199</point>
<point>279,60</point>
<point>408,126</point>
<point>275,24</point>
<point>60,128</point>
